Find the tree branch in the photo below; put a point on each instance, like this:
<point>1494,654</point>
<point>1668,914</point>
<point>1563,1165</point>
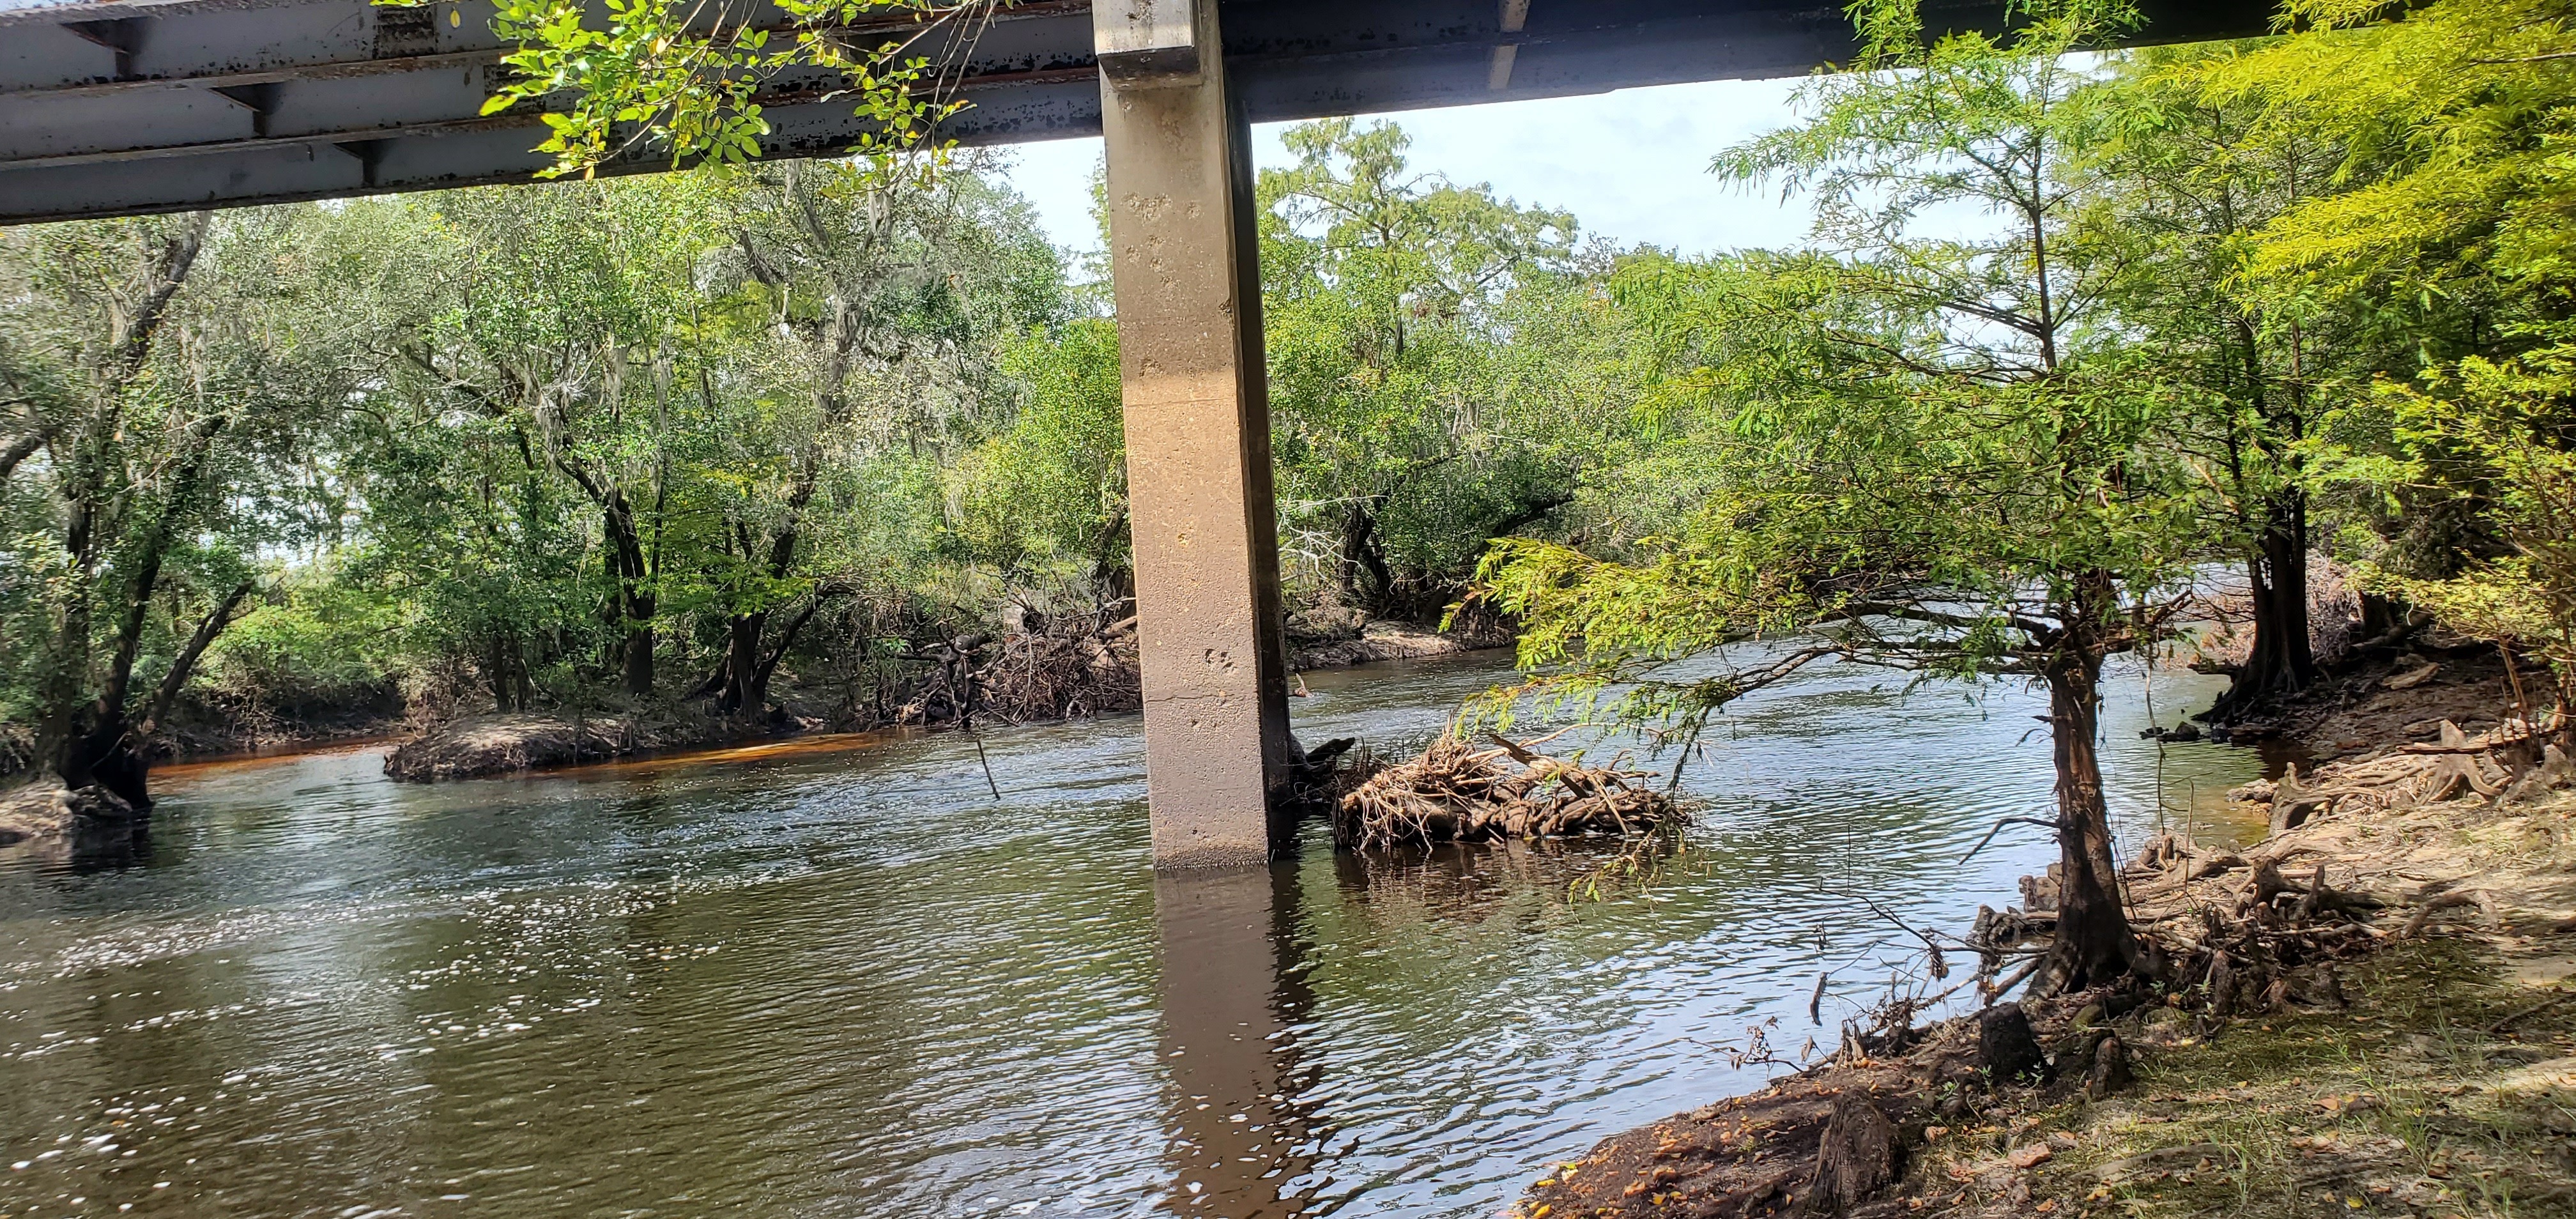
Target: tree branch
<point>21,449</point>
<point>183,666</point>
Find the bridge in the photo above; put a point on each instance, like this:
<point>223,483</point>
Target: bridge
<point>115,107</point>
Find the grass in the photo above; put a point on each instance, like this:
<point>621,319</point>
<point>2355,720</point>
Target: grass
<point>2404,1105</point>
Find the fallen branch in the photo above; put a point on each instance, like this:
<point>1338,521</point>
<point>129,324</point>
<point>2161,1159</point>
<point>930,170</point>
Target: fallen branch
<point>2533,1010</point>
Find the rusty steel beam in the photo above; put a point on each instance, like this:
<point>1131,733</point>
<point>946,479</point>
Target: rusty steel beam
<point>120,106</point>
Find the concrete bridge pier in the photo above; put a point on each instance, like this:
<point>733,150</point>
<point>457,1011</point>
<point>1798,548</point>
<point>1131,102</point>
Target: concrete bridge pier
<point>1184,255</point>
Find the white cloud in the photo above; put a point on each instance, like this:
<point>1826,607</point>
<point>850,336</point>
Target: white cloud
<point>1632,166</point>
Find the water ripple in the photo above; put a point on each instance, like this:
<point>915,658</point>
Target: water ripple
<point>840,978</point>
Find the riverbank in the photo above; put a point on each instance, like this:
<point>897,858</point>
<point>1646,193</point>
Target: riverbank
<point>1378,642</point>
<point>2387,1026</point>
<point>1021,678</point>
<point>67,819</point>
<point>481,745</point>
<point>2372,703</point>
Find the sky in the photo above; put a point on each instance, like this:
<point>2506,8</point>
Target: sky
<point>1632,166</point>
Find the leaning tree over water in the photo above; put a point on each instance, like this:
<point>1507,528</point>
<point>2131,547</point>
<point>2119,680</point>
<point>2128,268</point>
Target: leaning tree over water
<point>160,378</point>
<point>1921,457</point>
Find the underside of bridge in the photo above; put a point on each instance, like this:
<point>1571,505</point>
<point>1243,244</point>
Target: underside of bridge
<point>114,107</point>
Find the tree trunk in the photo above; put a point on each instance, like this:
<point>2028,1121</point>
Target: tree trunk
<point>1362,551</point>
<point>2380,616</point>
<point>1528,513</point>
<point>90,740</point>
<point>21,449</point>
<point>184,665</point>
<point>2282,661</point>
<point>105,755</point>
<point>1111,562</point>
<point>107,750</point>
<point>635,600</point>
<point>638,648</point>
<point>2094,943</point>
<point>786,640</point>
<point>746,680</point>
<point>66,663</point>
<point>505,668</point>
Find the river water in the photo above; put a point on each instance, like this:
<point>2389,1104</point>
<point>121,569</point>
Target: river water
<point>839,977</point>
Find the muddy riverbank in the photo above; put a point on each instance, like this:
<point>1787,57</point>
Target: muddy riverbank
<point>2373,1011</point>
<point>2396,699</point>
<point>201,730</point>
<point>1018,679</point>
<point>517,743</point>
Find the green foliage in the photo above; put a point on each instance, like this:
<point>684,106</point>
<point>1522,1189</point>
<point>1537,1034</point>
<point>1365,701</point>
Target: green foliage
<point>2500,431</point>
<point>1932,447</point>
<point>532,435</point>
<point>320,638</point>
<point>2446,227</point>
<point>686,78</point>
<point>1939,524</point>
<point>162,381</point>
<point>2219,287</point>
<point>537,443</point>
<point>1049,492</point>
<point>1404,432</point>
<point>2454,119</point>
<point>2180,184</point>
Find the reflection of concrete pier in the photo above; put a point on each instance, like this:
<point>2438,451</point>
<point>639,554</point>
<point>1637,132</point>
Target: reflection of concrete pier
<point>1233,991</point>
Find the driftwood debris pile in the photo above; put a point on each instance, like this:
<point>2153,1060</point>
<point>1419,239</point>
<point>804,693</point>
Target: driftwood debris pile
<point>1458,792</point>
<point>1067,671</point>
<point>1068,668</point>
<point>2249,933</point>
<point>2245,931</point>
<point>2234,933</point>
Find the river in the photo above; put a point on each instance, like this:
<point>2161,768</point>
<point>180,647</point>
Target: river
<point>837,976</point>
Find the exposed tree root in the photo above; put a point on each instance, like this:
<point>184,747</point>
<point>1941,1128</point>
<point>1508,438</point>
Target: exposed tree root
<point>2513,760</point>
<point>2282,931</point>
